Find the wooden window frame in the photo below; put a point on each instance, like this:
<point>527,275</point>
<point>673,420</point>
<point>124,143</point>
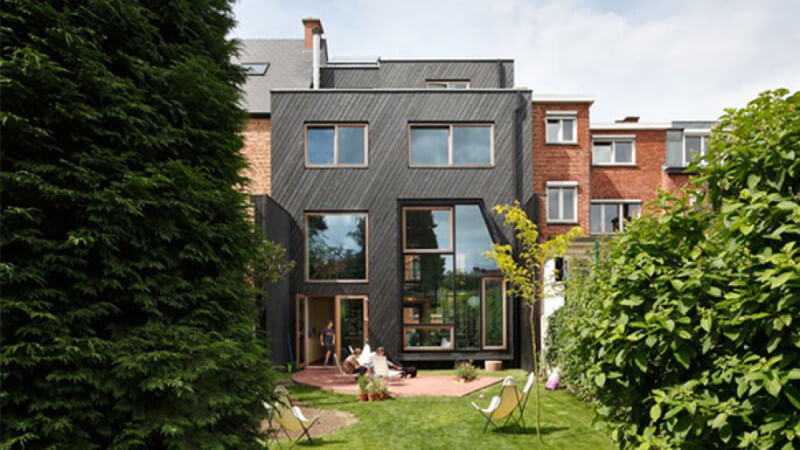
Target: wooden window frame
<point>336,126</point>
<point>448,84</point>
<point>504,346</point>
<point>450,164</point>
<point>306,278</point>
<point>451,348</point>
<point>450,248</point>
<point>609,139</point>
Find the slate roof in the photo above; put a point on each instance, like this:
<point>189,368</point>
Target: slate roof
<point>289,67</point>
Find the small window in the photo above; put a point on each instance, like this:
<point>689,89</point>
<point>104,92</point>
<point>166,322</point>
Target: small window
<point>255,69</point>
<point>694,147</point>
<point>447,84</point>
<point>610,152</point>
<point>428,338</point>
<point>336,247</point>
<point>452,145</point>
<point>561,127</point>
<point>428,229</point>
<point>336,145</point>
<point>562,202</point>
<point>610,217</point>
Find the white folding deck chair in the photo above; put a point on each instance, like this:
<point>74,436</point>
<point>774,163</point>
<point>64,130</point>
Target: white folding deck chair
<point>291,418</point>
<point>382,369</point>
<point>502,406</point>
<point>523,400</point>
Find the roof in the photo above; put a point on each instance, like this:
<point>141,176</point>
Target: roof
<point>289,67</point>
<point>630,126</point>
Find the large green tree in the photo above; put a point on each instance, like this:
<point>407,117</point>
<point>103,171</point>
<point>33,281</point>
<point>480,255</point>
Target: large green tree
<point>128,315</point>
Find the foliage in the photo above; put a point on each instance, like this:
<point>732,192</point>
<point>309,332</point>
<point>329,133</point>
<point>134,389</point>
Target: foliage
<point>466,371</point>
<point>691,341</point>
<point>362,384</point>
<point>522,270</point>
<point>128,315</point>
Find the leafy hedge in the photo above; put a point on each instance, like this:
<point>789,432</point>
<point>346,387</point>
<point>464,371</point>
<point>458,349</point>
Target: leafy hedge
<point>127,317</point>
<point>691,334</point>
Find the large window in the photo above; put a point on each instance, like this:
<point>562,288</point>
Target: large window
<point>613,151</point>
<point>336,145</point>
<point>561,127</point>
<point>609,216</point>
<point>447,84</point>
<point>451,145</point>
<point>694,146</point>
<point>336,247</point>
<point>446,303</point>
<point>562,201</point>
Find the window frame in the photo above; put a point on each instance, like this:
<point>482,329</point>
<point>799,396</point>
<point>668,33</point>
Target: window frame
<point>247,65</point>
<point>561,116</point>
<point>703,134</point>
<point>619,203</point>
<point>450,164</point>
<point>448,84</point>
<point>336,126</point>
<point>306,215</point>
<point>450,248</point>
<point>483,315</point>
<point>561,185</point>
<point>450,348</point>
<point>613,139</point>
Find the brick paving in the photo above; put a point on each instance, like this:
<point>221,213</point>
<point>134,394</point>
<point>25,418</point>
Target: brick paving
<point>421,386</point>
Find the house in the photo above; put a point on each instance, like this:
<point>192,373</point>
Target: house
<point>379,175</point>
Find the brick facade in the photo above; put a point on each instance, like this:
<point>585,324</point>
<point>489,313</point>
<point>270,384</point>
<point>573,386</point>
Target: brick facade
<point>256,150</point>
<point>561,162</point>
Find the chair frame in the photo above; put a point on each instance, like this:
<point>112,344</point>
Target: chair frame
<point>290,410</point>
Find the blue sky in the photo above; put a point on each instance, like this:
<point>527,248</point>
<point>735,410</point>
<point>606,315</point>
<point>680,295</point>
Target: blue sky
<point>661,60</point>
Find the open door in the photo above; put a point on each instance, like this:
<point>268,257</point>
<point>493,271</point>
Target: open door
<point>301,330</point>
<point>352,323</point>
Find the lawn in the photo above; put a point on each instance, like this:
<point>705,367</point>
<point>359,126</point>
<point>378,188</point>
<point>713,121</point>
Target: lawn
<point>450,422</point>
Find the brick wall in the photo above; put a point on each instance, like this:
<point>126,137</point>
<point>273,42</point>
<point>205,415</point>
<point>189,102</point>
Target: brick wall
<point>561,163</point>
<point>256,150</point>
<point>632,182</point>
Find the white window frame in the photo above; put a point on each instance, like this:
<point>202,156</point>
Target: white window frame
<point>450,164</point>
<point>703,134</point>
<point>448,84</point>
<point>561,185</point>
<point>561,116</point>
<point>613,139</point>
<point>619,203</point>
<point>336,126</point>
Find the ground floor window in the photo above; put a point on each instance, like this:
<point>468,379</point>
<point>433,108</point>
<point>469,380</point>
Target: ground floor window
<point>453,295</point>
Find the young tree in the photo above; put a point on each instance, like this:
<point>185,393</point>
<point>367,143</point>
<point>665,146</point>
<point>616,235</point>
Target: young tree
<point>129,316</point>
<point>523,271</point>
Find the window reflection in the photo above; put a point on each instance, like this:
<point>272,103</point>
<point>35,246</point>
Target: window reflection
<point>336,246</point>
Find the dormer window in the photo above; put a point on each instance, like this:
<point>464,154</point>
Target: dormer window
<point>694,145</point>
<point>255,69</point>
<point>447,84</point>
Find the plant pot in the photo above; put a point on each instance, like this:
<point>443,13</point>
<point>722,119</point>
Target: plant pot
<point>362,397</point>
<point>372,397</point>
<point>383,395</point>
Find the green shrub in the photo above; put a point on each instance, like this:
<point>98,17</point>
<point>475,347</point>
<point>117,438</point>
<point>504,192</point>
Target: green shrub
<point>128,319</point>
<point>692,343</point>
<point>362,384</point>
<point>466,371</point>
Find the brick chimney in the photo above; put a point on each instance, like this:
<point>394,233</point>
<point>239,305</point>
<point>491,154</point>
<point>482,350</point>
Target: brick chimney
<point>309,24</point>
<point>629,119</point>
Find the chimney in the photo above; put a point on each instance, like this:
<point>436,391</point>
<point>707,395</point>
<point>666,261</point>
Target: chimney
<point>629,119</point>
<point>309,25</point>
<point>313,33</point>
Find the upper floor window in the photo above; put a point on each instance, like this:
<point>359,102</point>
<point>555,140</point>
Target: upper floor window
<point>255,69</point>
<point>614,150</point>
<point>336,145</point>
<point>562,201</point>
<point>609,216</point>
<point>694,145</point>
<point>447,84</point>
<point>561,127</point>
<point>336,246</point>
<point>451,145</point>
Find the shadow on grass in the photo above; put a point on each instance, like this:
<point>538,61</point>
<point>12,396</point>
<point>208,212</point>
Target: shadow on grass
<point>516,429</point>
<point>320,442</point>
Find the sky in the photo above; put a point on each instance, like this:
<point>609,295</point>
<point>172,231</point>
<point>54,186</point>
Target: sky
<point>660,60</point>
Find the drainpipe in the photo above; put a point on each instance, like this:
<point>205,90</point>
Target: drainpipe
<point>315,57</point>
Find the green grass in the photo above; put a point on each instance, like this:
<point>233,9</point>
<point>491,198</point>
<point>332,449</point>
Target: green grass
<point>450,422</point>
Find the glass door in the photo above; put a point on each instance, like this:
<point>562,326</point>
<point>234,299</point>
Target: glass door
<point>301,330</point>
<point>352,329</point>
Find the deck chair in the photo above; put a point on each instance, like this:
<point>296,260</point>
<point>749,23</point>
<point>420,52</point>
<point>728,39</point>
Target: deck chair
<point>502,406</point>
<point>353,376</point>
<point>290,418</point>
<point>523,399</point>
<point>382,369</point>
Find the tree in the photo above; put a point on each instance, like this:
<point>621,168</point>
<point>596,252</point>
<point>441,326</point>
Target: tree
<point>523,271</point>
<point>129,316</point>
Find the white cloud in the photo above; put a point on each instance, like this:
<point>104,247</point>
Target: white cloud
<point>668,60</point>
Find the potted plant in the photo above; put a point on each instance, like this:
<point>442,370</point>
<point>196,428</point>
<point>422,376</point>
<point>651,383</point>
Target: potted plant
<point>372,390</point>
<point>383,390</point>
<point>362,388</point>
<point>466,372</point>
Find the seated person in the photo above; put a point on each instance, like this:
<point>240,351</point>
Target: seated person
<point>382,352</point>
<point>351,365</point>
